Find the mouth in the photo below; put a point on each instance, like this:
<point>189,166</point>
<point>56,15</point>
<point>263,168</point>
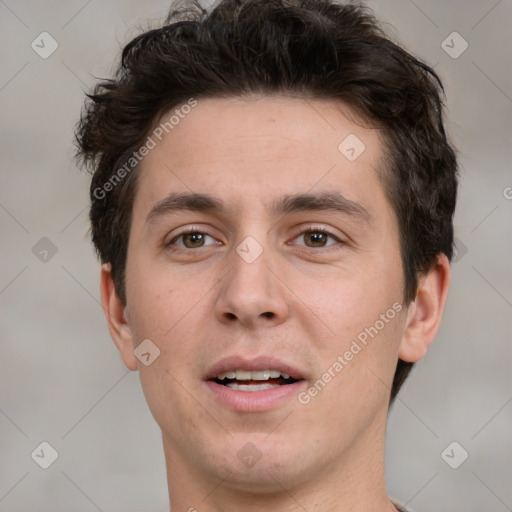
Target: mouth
<point>250,381</point>
<point>253,385</point>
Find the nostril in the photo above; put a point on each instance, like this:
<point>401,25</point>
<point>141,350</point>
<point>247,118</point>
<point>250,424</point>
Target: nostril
<point>233,316</point>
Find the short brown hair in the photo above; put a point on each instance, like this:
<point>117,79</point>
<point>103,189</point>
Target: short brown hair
<point>306,48</point>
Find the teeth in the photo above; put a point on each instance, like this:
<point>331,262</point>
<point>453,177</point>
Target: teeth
<point>256,375</point>
<point>243,375</point>
<point>251,387</point>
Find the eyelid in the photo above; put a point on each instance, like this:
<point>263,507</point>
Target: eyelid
<point>185,231</point>
<point>319,228</point>
<point>303,229</point>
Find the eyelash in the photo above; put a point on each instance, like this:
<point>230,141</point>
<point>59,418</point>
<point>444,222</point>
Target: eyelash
<point>315,229</point>
<point>307,229</point>
<point>192,229</point>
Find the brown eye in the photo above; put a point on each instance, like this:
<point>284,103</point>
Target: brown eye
<point>317,238</point>
<point>190,240</point>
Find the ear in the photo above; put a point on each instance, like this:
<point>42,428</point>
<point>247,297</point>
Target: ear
<point>425,312</point>
<point>115,312</point>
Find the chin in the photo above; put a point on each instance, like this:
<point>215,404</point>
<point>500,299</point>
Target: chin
<point>259,464</point>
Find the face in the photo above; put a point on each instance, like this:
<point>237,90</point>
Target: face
<point>291,263</point>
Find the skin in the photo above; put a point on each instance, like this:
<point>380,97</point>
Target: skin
<point>299,301</point>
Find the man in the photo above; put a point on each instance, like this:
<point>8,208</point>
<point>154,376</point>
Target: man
<point>272,202</point>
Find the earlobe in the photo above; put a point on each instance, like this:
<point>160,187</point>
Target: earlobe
<point>424,314</point>
<point>116,315</point>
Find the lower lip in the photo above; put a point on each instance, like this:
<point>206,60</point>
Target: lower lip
<point>254,401</point>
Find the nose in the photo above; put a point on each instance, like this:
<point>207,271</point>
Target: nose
<point>252,294</point>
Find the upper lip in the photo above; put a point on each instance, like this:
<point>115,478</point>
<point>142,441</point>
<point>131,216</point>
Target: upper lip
<point>254,364</point>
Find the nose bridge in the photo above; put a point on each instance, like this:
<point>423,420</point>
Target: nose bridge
<point>251,291</point>
<point>250,275</point>
<point>250,262</point>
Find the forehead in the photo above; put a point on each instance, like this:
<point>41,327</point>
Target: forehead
<point>267,145</point>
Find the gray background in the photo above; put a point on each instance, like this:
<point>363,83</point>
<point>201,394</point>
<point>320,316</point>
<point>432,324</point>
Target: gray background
<point>62,380</point>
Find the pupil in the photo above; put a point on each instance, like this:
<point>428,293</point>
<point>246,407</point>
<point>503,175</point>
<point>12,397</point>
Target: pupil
<point>195,239</point>
<point>316,238</point>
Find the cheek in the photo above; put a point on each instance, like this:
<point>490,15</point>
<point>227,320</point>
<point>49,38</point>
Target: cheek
<point>170,311</point>
<point>365,315</point>
<point>172,405</point>
<point>155,298</point>
<point>349,302</point>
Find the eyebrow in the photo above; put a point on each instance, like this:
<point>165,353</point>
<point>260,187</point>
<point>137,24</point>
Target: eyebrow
<point>319,201</point>
<point>185,201</point>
